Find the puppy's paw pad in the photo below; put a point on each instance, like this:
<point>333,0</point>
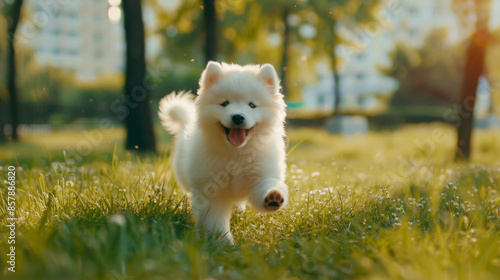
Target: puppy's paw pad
<point>273,201</point>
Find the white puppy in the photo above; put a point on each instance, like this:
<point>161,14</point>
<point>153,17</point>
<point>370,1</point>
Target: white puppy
<point>230,143</point>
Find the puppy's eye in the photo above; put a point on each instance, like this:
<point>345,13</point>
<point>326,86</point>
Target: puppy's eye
<point>252,105</point>
<point>224,104</point>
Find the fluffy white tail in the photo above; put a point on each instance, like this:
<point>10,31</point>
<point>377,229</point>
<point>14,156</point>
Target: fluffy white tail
<point>176,110</point>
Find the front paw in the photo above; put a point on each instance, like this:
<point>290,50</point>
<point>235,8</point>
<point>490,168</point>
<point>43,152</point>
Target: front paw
<point>274,200</point>
<point>269,196</point>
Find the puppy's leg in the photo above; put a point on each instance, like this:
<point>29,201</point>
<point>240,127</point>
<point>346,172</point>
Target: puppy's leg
<point>269,195</point>
<point>213,217</point>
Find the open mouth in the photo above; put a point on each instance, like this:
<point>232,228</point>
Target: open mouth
<point>237,135</point>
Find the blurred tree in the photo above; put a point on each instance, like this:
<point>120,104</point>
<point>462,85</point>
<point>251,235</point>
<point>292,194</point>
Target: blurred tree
<point>331,12</point>
<point>241,24</point>
<point>14,14</point>
<point>241,30</point>
<point>260,32</point>
<point>210,15</point>
<point>181,30</point>
<point>3,138</point>
<point>281,10</point>
<point>284,50</point>
<point>426,76</point>
<point>474,68</point>
<point>138,121</point>
<point>41,88</point>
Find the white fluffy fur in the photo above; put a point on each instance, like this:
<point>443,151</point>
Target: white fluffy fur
<point>176,111</point>
<point>219,175</point>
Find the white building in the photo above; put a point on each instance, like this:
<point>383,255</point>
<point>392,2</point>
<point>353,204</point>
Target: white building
<point>78,35</point>
<point>359,88</point>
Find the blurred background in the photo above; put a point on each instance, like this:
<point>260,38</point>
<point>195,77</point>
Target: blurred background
<point>350,66</point>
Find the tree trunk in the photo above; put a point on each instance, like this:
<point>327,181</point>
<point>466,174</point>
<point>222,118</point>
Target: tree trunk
<point>284,57</point>
<point>474,67</point>
<point>210,30</point>
<point>336,78</point>
<point>13,21</point>
<point>138,121</point>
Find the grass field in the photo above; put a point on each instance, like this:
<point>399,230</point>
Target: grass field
<point>389,205</point>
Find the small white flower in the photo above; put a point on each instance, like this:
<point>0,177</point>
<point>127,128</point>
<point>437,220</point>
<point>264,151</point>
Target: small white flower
<point>118,219</point>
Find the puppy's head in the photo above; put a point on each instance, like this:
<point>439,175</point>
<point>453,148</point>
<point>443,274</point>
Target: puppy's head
<point>239,102</point>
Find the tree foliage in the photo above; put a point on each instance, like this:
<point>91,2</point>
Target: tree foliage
<point>331,12</point>
<point>426,76</point>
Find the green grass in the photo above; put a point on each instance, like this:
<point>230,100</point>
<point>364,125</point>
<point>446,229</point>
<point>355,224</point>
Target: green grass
<point>386,205</point>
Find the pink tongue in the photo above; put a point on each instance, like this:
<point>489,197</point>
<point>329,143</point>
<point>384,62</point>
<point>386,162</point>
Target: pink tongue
<point>237,136</point>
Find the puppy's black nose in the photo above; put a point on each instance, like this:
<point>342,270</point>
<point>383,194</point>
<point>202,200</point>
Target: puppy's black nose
<point>238,119</point>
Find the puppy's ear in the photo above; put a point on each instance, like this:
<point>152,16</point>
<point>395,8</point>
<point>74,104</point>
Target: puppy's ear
<point>211,75</point>
<point>269,78</point>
